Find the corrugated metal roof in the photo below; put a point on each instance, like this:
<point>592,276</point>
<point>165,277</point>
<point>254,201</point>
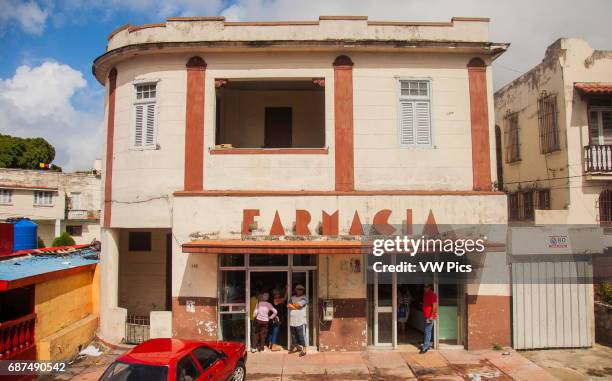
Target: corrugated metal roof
<point>594,87</point>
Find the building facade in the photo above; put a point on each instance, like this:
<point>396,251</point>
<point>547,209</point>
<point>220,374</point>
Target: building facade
<point>553,127</point>
<point>240,154</point>
<point>56,201</point>
<point>554,124</point>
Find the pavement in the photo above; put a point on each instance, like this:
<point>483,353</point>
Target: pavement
<point>594,364</point>
<point>575,364</point>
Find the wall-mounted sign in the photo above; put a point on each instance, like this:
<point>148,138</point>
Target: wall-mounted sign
<point>557,241</point>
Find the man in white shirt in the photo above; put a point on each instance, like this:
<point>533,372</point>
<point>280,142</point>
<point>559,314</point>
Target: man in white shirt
<point>298,320</point>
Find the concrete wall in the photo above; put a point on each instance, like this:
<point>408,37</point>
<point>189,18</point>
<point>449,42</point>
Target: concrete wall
<point>566,61</point>
<point>243,116</point>
<point>65,316</point>
<point>142,275</point>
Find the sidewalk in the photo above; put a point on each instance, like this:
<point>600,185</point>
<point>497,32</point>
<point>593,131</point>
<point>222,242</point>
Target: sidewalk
<point>380,365</point>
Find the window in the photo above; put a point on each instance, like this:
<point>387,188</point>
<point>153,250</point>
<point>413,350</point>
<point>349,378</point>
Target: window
<point>75,200</point>
<point>120,371</point>
<point>43,198</point>
<point>6,196</point>
<point>605,207</point>
<point>75,231</point>
<point>186,370</point>
<point>526,203</point>
<point>547,121</point>
<point>600,125</point>
<point>415,113</point>
<point>145,116</point>
<point>206,356</point>
<point>513,146</point>
<point>139,241</point>
<point>513,210</point>
<point>543,199</point>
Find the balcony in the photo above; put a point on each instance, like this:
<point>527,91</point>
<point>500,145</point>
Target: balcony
<point>83,214</point>
<point>16,336</point>
<point>598,159</point>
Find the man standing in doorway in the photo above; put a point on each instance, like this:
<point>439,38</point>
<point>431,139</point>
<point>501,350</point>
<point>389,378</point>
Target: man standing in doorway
<point>298,319</point>
<point>430,312</point>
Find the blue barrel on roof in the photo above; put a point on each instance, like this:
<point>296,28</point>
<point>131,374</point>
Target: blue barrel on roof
<point>25,233</point>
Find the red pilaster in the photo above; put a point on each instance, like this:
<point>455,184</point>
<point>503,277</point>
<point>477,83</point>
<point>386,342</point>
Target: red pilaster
<point>110,137</point>
<point>194,125</point>
<point>343,110</point>
<point>479,115</point>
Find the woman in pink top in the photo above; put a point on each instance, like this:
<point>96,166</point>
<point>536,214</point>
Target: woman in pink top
<point>262,318</point>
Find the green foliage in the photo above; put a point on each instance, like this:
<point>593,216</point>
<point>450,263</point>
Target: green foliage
<point>605,291</point>
<point>41,243</point>
<point>25,153</point>
<point>63,240</point>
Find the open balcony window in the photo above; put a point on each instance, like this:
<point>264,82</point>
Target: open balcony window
<point>270,113</point>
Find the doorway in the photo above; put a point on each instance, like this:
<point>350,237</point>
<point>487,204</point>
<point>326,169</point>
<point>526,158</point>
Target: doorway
<point>243,276</point>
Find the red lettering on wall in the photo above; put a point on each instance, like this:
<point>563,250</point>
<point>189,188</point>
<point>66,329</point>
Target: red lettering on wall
<point>248,218</point>
<point>302,219</point>
<point>431,227</point>
<point>356,226</point>
<point>381,222</point>
<point>330,223</point>
<point>277,226</point>
<point>408,227</point>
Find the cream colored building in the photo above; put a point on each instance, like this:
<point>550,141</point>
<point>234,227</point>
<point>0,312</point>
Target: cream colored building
<point>56,201</point>
<point>555,125</point>
<point>246,153</point>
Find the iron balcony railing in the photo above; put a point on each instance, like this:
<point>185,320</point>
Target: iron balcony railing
<point>598,158</point>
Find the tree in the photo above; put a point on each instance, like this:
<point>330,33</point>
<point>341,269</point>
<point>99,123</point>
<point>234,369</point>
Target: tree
<point>25,153</point>
<point>63,240</point>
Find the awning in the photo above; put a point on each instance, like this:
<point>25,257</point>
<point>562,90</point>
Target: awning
<point>235,246</point>
<point>274,247</point>
<point>593,87</point>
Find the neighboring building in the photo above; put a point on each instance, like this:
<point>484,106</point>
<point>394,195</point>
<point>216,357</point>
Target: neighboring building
<point>239,153</point>
<point>56,201</point>
<point>49,303</point>
<point>555,123</point>
<point>554,134</point>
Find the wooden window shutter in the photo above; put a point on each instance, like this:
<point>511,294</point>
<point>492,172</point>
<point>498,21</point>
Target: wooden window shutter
<point>138,126</point>
<point>407,123</point>
<point>150,125</point>
<point>423,124</point>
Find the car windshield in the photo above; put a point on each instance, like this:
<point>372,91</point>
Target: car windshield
<point>121,371</point>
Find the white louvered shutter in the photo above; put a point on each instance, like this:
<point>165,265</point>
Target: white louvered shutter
<point>138,126</point>
<point>407,123</point>
<point>150,125</point>
<point>423,124</point>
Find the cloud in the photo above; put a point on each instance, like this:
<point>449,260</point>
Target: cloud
<point>40,101</point>
<point>27,15</point>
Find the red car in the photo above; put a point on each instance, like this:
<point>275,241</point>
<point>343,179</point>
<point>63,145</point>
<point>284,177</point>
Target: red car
<point>180,360</point>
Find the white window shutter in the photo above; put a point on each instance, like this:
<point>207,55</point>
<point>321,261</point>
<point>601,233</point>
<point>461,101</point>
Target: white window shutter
<point>407,123</point>
<point>138,126</point>
<point>150,125</point>
<point>423,124</point>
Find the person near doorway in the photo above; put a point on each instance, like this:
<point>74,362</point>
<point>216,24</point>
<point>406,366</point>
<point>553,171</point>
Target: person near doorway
<point>264,311</point>
<point>430,313</point>
<point>252,303</point>
<point>404,299</point>
<point>279,298</point>
<point>298,320</point>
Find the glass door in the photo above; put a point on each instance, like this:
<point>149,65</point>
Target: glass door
<point>305,278</point>
<point>383,309</point>
<point>232,306</point>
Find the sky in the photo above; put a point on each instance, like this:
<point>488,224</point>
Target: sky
<point>47,48</point>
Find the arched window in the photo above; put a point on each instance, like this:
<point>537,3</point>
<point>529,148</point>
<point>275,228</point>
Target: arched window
<point>605,207</point>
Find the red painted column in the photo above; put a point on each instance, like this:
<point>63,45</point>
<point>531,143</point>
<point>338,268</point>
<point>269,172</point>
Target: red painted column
<point>343,110</point>
<point>110,137</point>
<point>479,115</point>
<point>194,125</point>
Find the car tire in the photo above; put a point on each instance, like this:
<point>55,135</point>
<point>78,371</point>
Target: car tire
<point>239,373</point>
